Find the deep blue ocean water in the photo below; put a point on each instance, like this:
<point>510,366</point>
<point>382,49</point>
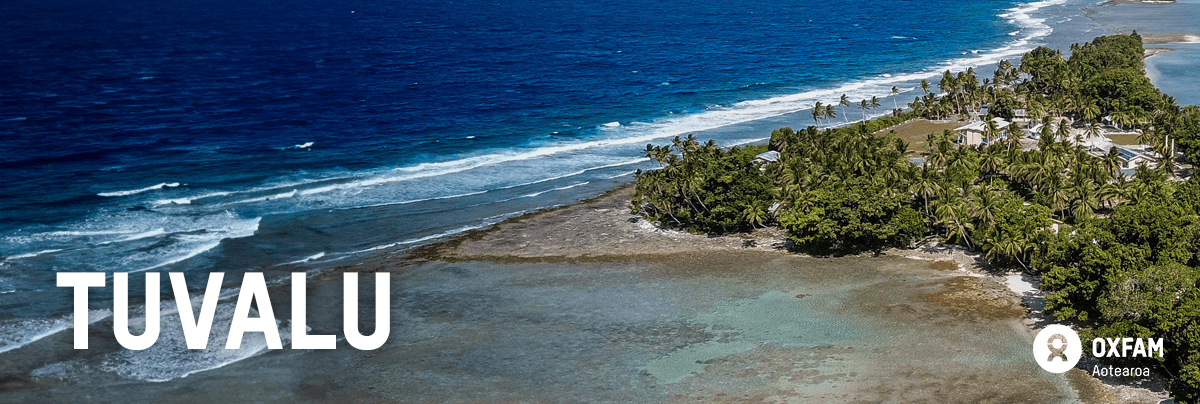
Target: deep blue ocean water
<point>232,136</point>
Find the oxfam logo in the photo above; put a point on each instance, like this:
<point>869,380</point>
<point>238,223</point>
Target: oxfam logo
<point>1057,348</point>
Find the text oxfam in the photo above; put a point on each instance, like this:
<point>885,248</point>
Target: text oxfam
<point>196,329</point>
<point>1126,347</point>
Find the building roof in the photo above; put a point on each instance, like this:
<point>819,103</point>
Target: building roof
<point>1127,155</point>
<point>770,156</point>
<point>977,125</point>
<point>981,125</point>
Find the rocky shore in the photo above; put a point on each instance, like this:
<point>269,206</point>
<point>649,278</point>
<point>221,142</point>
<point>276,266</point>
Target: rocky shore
<point>602,229</point>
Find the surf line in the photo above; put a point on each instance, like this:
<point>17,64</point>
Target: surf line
<point>196,329</point>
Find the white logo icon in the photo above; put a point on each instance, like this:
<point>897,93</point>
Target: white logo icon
<point>1057,348</point>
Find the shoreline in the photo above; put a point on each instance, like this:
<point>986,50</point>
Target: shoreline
<point>1170,39</point>
<point>1137,2</point>
<point>601,230</point>
<point>1154,51</point>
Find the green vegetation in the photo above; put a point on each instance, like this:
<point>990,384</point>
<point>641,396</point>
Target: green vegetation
<point>1117,256</point>
<point>704,188</point>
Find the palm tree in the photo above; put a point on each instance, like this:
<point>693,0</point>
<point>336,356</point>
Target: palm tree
<point>844,102</point>
<point>1011,246</point>
<point>985,206</point>
<point>1090,112</point>
<point>1167,165</point>
<point>895,91</point>
<point>1112,192</point>
<point>874,102</point>
<point>830,112</point>
<point>991,130</point>
<point>991,163</point>
<point>925,185</point>
<point>925,86</point>
<point>754,214</point>
<point>1112,162</point>
<point>1059,198</point>
<point>939,154</point>
<point>817,112</point>
<point>863,106</point>
<point>954,216</point>
<point>1014,136</point>
<point>1093,130</point>
<point>1122,118</point>
<point>949,85</point>
<point>1086,201</point>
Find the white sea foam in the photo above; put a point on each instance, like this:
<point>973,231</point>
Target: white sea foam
<point>146,234</point>
<point>33,254</point>
<point>190,245</point>
<point>288,194</point>
<point>138,191</point>
<point>177,201</point>
<point>188,201</point>
<point>18,333</point>
<point>621,175</point>
<point>137,241</point>
<point>305,259</point>
<point>304,145</point>
<point>81,233</point>
<point>484,223</point>
<point>169,358</point>
<point>554,189</point>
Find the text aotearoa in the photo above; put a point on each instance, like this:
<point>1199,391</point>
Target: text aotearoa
<point>196,329</point>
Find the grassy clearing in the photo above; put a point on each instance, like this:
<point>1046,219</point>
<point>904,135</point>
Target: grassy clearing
<point>914,132</point>
<point>1124,140</point>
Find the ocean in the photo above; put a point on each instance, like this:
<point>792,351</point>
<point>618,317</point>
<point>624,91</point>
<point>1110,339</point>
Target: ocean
<point>209,136</point>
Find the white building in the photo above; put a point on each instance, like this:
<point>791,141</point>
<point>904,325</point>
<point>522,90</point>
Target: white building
<point>975,133</point>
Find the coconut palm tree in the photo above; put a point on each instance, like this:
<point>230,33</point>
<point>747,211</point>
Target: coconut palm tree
<point>925,185</point>
<point>1086,201</point>
<point>817,112</point>
<point>1059,198</point>
<point>844,102</point>
<point>830,112</point>
<point>864,105</point>
<point>895,91</point>
<point>1011,246</point>
<point>874,102</point>
<point>754,214</point>
<point>1014,136</point>
<point>1112,192</point>
<point>953,215</point>
<point>991,163</point>
<point>1123,119</point>
<point>949,85</point>
<point>925,86</point>
<point>990,130</point>
<point>1093,130</point>
<point>1090,112</point>
<point>985,206</point>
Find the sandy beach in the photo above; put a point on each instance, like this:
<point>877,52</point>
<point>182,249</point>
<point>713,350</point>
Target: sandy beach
<point>1161,39</point>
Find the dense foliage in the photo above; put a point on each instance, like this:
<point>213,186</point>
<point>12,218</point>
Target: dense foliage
<point>844,190</point>
<point>704,188</point>
<point>1117,256</point>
